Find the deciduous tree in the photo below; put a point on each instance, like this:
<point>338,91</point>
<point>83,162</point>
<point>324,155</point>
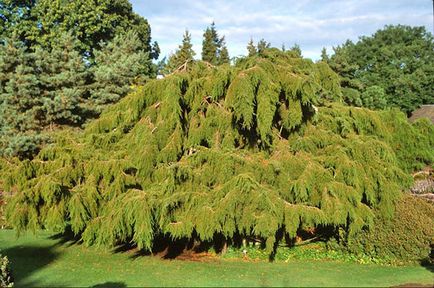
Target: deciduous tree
<point>397,58</point>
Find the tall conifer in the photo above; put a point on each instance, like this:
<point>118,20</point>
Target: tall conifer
<point>212,47</point>
<point>251,49</point>
<point>118,65</point>
<point>209,45</point>
<point>262,45</point>
<point>183,54</point>
<point>223,53</point>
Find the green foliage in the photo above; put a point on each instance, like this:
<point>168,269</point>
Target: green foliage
<point>91,23</point>
<point>397,58</point>
<point>184,54</point>
<point>61,62</point>
<point>251,49</point>
<point>15,18</point>
<point>262,46</point>
<point>408,236</point>
<point>324,56</point>
<point>318,250</point>
<point>119,64</point>
<point>217,152</point>
<point>38,90</point>
<point>42,23</point>
<point>224,54</point>
<point>214,49</point>
<point>296,49</point>
<point>62,77</point>
<point>5,273</point>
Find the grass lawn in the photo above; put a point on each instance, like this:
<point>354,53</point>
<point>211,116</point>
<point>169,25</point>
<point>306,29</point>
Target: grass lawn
<point>42,261</point>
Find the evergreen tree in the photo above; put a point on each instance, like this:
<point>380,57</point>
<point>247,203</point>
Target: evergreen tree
<point>19,100</point>
<point>224,53</point>
<point>374,98</point>
<point>61,41</point>
<point>212,46</point>
<point>39,89</point>
<point>296,50</point>
<point>351,87</point>
<point>151,165</point>
<point>185,53</point>
<point>15,19</point>
<point>262,46</point>
<point>118,65</point>
<point>92,23</point>
<point>251,49</point>
<point>324,55</point>
<point>62,78</point>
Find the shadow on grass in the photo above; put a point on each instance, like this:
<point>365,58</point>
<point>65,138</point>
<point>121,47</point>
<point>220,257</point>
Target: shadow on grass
<point>27,260</point>
<point>427,264</point>
<point>165,248</point>
<point>66,238</point>
<point>110,285</point>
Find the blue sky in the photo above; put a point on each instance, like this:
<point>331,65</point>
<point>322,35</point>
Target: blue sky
<point>311,24</point>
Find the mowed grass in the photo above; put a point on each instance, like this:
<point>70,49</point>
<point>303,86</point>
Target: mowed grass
<point>40,260</point>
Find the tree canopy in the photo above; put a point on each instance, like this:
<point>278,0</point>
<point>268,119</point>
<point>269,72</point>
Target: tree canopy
<point>185,53</point>
<point>252,150</point>
<point>214,48</point>
<point>62,62</point>
<point>41,22</point>
<point>398,59</point>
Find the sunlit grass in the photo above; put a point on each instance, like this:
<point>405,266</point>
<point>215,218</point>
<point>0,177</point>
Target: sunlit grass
<point>38,260</point>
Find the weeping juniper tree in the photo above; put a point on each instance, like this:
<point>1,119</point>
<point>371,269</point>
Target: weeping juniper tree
<point>252,150</point>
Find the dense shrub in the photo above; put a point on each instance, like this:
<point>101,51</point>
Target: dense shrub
<point>408,236</point>
<point>5,273</point>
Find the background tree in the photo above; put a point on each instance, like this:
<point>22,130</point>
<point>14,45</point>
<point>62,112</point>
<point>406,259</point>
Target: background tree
<point>120,63</point>
<point>251,48</point>
<point>91,23</point>
<point>62,78</point>
<point>212,46</point>
<point>397,58</point>
<point>324,55</point>
<point>296,50</point>
<point>15,19</point>
<point>62,61</point>
<point>262,46</point>
<point>374,98</point>
<point>19,100</point>
<point>224,53</point>
<point>42,89</point>
<point>183,54</point>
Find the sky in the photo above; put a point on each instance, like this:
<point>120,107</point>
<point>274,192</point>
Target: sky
<point>311,24</point>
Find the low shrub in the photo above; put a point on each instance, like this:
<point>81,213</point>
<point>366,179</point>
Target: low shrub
<point>5,273</point>
<point>408,236</point>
